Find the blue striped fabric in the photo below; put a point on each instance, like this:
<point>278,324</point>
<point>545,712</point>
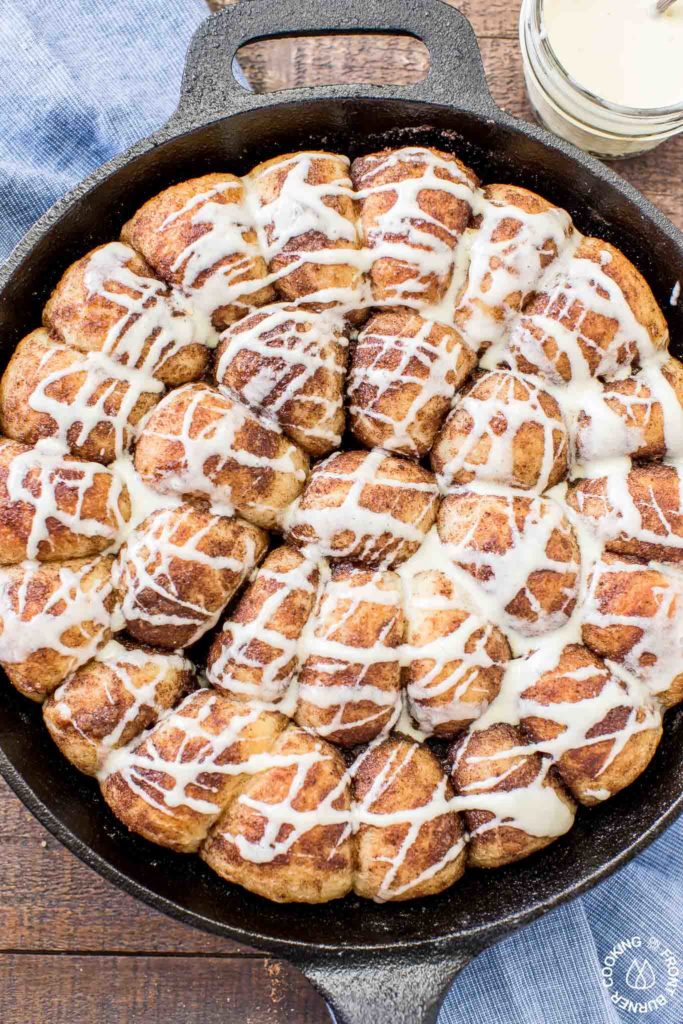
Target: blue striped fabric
<point>79,81</point>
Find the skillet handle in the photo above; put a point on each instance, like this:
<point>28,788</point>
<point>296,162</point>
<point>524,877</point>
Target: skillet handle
<point>455,78</point>
<point>390,988</point>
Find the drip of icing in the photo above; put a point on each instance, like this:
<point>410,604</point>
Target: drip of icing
<point>424,364</point>
<point>56,488</point>
<point>59,624</point>
<point>376,530</point>
<point>124,663</point>
<point>293,358</point>
<point>148,564</point>
<point>102,379</point>
<point>502,271</point>
<point>494,422</point>
<point>154,318</point>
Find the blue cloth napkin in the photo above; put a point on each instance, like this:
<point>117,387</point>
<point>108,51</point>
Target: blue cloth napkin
<point>80,80</point>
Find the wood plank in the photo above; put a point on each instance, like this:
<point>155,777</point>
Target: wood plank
<point>154,990</point>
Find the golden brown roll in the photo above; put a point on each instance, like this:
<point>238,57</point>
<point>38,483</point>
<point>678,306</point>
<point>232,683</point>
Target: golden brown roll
<point>54,507</point>
<point>349,684</point>
<point>512,801</point>
<point>307,215</point>
<point>600,731</point>
<point>415,203</point>
<point>199,236</point>
<point>637,511</point>
<point>201,444</point>
<point>110,301</point>
<point>110,700</point>
<point>289,363</point>
<point>515,236</point>
<point>505,430</point>
<point>595,316</point>
<point>365,507</point>
<point>173,782</point>
<point>641,416</point>
<point>521,551</point>
<point>455,659</point>
<point>633,615</point>
<point>257,652</point>
<point>404,374</point>
<point>53,618</point>
<point>178,570</point>
<point>88,403</point>
<point>287,836</point>
<point>409,842</point>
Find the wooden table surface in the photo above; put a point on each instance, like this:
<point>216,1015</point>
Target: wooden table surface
<point>73,948</point>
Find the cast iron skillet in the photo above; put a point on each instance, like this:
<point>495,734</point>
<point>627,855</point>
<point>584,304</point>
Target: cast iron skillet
<point>376,964</point>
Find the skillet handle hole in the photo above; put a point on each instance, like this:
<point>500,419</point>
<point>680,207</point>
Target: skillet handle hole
<point>293,62</point>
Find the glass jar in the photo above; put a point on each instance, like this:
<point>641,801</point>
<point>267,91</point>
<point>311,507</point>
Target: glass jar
<point>606,129</point>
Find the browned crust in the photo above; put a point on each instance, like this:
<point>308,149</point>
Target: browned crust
<point>414,775</point>
<point>318,865</point>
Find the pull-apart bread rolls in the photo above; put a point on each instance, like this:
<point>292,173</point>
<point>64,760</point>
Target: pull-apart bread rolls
<point>594,317</point>
<point>512,801</point>
<point>258,651</point>
<point>640,416</point>
<point>633,511</point>
<point>53,618</point>
<point>349,684</point>
<point>110,700</point>
<point>410,842</point>
<point>200,236</point>
<point>415,204</point>
<point>601,731</point>
<point>87,403</point>
<point>201,444</point>
<point>634,617</point>
<point>54,507</point>
<point>404,374</point>
<point>365,507</point>
<point>290,364</point>
<point>306,214</point>
<point>109,301</point>
<point>461,422</point>
<point>515,236</point>
<point>171,784</point>
<point>287,835</point>
<point>178,570</point>
<point>506,431</point>
<point>521,551</point>
<point>455,659</point>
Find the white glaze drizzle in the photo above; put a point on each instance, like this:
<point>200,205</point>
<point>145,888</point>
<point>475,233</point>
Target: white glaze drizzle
<point>102,379</point>
<point>156,323</point>
<point>55,487</point>
<point>59,624</point>
<point>287,362</point>
<point>126,664</point>
<point>215,443</point>
<point>374,532</point>
<point>242,642</point>
<point>494,421</point>
<point>148,562</point>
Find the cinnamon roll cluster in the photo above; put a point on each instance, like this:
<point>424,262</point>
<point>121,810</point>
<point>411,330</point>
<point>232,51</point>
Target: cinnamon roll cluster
<point>407,452</point>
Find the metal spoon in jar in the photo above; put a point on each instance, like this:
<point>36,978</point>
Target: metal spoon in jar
<point>664,5</point>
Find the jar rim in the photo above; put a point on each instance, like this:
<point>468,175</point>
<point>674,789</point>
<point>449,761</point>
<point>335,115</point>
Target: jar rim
<point>543,40</point>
